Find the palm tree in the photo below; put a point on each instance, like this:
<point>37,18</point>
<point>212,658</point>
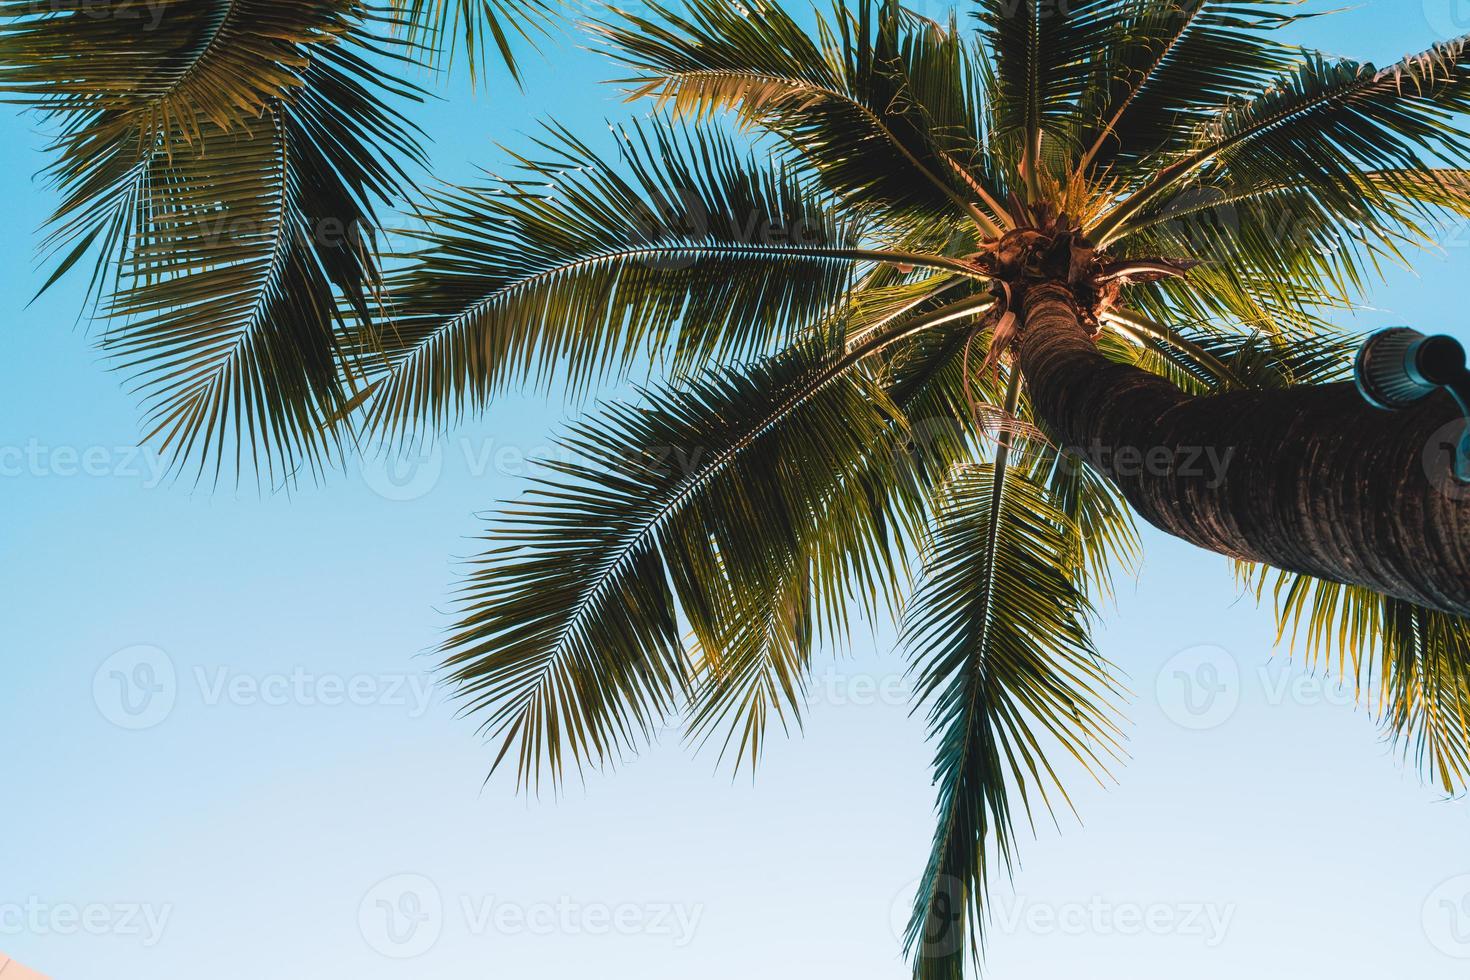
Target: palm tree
<point>927,270</point>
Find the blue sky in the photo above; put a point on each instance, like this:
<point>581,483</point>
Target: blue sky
<point>297,800</point>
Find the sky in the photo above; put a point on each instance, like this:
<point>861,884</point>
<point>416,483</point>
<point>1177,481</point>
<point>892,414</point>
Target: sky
<point>226,756</point>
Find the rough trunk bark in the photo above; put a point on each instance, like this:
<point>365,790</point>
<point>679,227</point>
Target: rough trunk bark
<point>1308,479</point>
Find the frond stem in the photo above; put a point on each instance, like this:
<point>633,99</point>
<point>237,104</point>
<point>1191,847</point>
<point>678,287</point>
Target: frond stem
<point>1132,321</point>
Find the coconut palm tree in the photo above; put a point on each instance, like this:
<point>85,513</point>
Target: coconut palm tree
<point>936,307</point>
<point>938,259</point>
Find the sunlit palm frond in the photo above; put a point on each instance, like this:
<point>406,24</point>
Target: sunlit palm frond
<point>999,635</point>
<point>761,672</point>
<point>1211,360</point>
<point>1280,252</point>
<point>938,380</point>
<point>680,509</point>
<point>1169,65</point>
<point>690,249</point>
<point>878,103</point>
<point>1325,126</point>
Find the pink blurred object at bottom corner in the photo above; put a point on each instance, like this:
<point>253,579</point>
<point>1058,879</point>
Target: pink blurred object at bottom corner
<point>11,970</point>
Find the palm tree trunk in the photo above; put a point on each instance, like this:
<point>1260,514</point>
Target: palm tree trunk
<point>1308,479</point>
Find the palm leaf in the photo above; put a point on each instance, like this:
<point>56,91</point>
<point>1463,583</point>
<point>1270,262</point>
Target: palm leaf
<point>483,30</point>
<point>1208,360</point>
<point>687,506</point>
<point>1325,126</point>
<point>691,251</point>
<point>1168,66</point>
<point>760,672</point>
<point>1103,536</point>
<point>878,103</point>
<point>932,394</point>
<point>999,632</point>
<point>229,189</point>
<point>1043,58</point>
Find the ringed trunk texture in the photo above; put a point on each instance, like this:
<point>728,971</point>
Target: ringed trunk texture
<point>1309,479</point>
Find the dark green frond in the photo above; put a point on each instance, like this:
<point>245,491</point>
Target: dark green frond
<point>1045,55</point>
<point>225,170</point>
<point>876,103</point>
<point>482,30</point>
<point>690,250</point>
<point>156,79</point>
<point>1323,128</point>
<point>1330,119</point>
<point>999,634</point>
<point>760,672</point>
<point>162,68</point>
<point>1278,254</point>
<point>1104,536</point>
<point>706,505</point>
<point>1170,65</point>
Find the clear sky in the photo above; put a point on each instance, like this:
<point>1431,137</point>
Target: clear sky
<point>296,800</point>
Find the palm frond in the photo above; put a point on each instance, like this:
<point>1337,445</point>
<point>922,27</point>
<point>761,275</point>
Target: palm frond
<point>160,69</point>
<point>1043,56</point>
<point>155,78</point>
<point>1324,127</point>
<point>1282,252</point>
<point>932,395</point>
<point>482,30</point>
<point>760,672</point>
<point>1103,535</point>
<point>690,251</point>
<point>878,103</point>
<point>999,631</point>
<point>225,169</point>
<point>1168,66</point>
<point>1210,360</point>
<point>705,505</point>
